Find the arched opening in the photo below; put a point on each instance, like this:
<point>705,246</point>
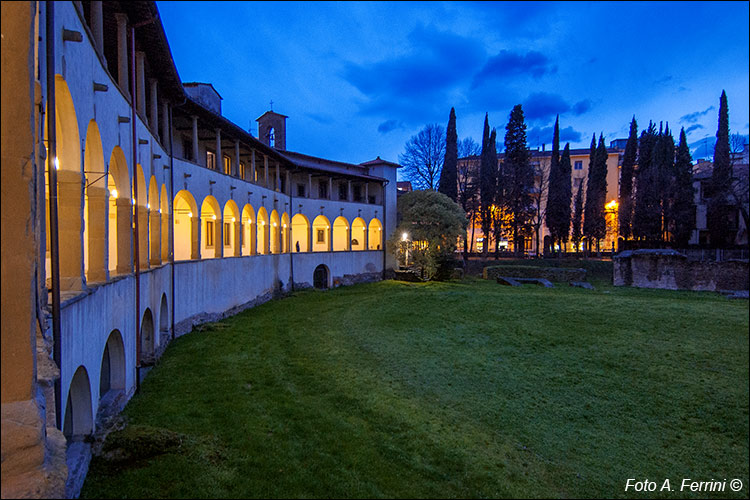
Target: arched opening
<point>78,420</point>
<point>147,338</point>
<point>154,223</point>
<point>375,235</point>
<point>359,234</point>
<point>272,137</point>
<point>163,319</point>
<point>95,206</point>
<point>285,230</point>
<point>210,228</point>
<point>321,277</point>
<point>112,374</point>
<point>262,233</point>
<point>186,226</point>
<point>120,213</point>
<point>340,234</point>
<point>231,229</point>
<point>274,232</point>
<point>248,228</point>
<point>68,166</point>
<point>140,207</point>
<point>300,233</point>
<point>321,234</point>
<point>164,216</point>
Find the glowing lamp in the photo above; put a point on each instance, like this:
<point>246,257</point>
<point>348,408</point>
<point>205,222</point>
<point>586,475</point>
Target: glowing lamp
<point>113,193</point>
<point>404,237</point>
<point>57,163</point>
<point>213,217</point>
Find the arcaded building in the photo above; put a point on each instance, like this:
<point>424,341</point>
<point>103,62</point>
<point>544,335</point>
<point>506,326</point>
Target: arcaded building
<point>133,210</point>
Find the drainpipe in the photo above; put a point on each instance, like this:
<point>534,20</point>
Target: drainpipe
<point>171,213</point>
<point>385,232</point>
<point>136,235</point>
<point>289,243</point>
<point>53,230</point>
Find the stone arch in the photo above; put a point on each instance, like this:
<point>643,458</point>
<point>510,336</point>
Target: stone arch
<point>321,234</point>
<point>232,227</point>
<point>69,189</point>
<point>120,213</point>
<point>375,235</point>
<point>340,237</point>
<point>300,233</point>
<point>140,209</point>
<point>154,223</point>
<point>95,206</point>
<point>78,420</point>
<point>164,216</point>
<point>210,228</point>
<point>359,234</point>
<point>186,226</point>
<point>148,342</point>
<point>248,230</point>
<point>112,374</point>
<point>322,277</point>
<point>262,231</point>
<point>274,228</point>
<point>163,318</point>
<point>285,232</point>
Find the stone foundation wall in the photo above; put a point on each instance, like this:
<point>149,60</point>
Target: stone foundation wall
<point>671,270</point>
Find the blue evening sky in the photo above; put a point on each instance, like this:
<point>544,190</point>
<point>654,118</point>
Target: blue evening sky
<point>357,80</point>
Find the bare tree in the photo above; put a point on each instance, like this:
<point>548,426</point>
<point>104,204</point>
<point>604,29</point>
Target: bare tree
<point>538,195</point>
<point>468,187</point>
<point>739,191</point>
<point>423,157</point>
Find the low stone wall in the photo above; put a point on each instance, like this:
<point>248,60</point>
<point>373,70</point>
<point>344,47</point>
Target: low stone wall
<point>671,270</point>
<point>548,273</point>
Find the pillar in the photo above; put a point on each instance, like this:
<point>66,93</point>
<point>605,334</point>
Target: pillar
<point>195,139</point>
<point>330,190</point>
<point>165,125</point>
<point>124,211</point>
<point>153,83</point>
<point>219,156</point>
<point>367,192</point>
<point>143,237</point>
<point>288,185</point>
<point>154,230</point>
<point>140,83</point>
<point>122,53</point>
<point>265,168</point>
<point>277,185</point>
<point>97,215</point>
<point>349,191</point>
<point>69,229</point>
<point>97,25</point>
<point>253,176</point>
<point>236,167</point>
<point>309,186</point>
<point>237,230</point>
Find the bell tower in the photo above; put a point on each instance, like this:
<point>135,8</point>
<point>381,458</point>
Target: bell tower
<point>272,129</point>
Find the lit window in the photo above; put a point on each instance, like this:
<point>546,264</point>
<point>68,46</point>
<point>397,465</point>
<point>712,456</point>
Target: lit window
<point>210,160</point>
<point>321,236</point>
<point>242,170</point>
<point>227,165</point>
<point>227,234</point>
<point>210,228</point>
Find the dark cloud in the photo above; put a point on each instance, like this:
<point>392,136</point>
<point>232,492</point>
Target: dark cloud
<point>509,64</point>
<point>389,125</point>
<point>543,135</point>
<point>323,119</point>
<point>437,63</point>
<point>693,117</point>
<point>581,107</point>
<point>691,128</point>
<point>663,80</point>
<point>544,106</point>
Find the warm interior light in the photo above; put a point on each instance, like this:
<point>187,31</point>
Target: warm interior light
<point>113,193</point>
<point>284,225</point>
<point>213,217</point>
<point>190,215</point>
<point>274,224</point>
<point>612,205</point>
<point>233,219</point>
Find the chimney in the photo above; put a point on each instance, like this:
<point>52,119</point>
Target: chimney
<point>542,147</point>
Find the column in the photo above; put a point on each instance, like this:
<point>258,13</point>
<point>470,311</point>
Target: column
<point>309,190</point>
<point>277,185</point>
<point>265,167</point>
<point>289,185</point>
<point>236,166</point>
<point>252,166</point>
<point>165,124</point>
<point>140,83</point>
<point>154,232</point>
<point>124,210</point>
<point>122,53</point>
<point>97,214</point>
<point>97,25</point>
<point>367,192</point>
<point>195,139</point>
<point>219,157</point>
<point>348,190</point>
<point>154,118</point>
<point>330,190</point>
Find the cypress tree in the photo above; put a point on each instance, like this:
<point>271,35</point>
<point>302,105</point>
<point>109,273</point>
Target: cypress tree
<point>566,194</point>
<point>683,207</point>
<point>625,207</point>
<point>647,210</point>
<point>664,162</point>
<point>487,183</point>
<point>594,221</point>
<point>577,235</point>
<point>554,215</point>
<point>449,175</point>
<point>588,216</point>
<point>519,177</point>
<point>719,205</point>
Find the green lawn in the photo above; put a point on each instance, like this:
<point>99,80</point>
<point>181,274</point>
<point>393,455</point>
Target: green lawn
<point>459,389</point>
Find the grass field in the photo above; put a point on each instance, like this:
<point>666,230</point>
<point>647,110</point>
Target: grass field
<point>458,389</point>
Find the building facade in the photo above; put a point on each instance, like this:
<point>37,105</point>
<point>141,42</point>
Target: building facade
<point>141,212</point>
